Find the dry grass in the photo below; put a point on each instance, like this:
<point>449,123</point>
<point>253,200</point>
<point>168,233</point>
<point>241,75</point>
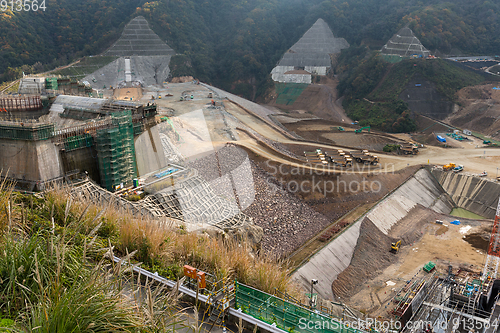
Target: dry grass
<point>5,202</point>
<point>160,245</point>
<point>164,247</point>
<point>219,256</point>
<point>50,280</point>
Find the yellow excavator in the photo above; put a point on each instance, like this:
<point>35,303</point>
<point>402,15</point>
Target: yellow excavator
<point>395,246</point>
<point>449,166</point>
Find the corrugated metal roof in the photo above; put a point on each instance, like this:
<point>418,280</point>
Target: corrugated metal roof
<point>79,102</point>
<point>298,71</point>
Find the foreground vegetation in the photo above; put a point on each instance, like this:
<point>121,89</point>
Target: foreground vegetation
<point>56,274</point>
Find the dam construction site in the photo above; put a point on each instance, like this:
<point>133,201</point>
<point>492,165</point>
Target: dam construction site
<point>407,235</point>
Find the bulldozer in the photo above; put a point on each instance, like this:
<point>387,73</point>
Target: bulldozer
<point>449,166</point>
<point>395,246</point>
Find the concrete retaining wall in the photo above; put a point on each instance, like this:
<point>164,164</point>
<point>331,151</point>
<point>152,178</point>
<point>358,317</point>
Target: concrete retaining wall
<point>328,263</point>
<point>422,188</point>
<point>475,194</point>
<point>149,152</point>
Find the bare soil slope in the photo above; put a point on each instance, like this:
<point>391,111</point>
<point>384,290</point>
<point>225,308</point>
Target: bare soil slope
<point>372,253</point>
<point>479,110</point>
<point>319,99</point>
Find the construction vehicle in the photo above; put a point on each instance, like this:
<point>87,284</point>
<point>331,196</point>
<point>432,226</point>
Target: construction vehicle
<point>364,157</point>
<point>315,157</point>
<point>408,149</point>
<point>395,246</point>
<point>359,130</point>
<point>449,166</point>
<point>339,158</point>
<point>340,161</point>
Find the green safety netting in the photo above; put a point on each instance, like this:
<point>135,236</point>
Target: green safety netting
<point>78,141</point>
<point>289,92</point>
<point>285,315</point>
<point>116,151</point>
<point>20,131</point>
<point>391,58</point>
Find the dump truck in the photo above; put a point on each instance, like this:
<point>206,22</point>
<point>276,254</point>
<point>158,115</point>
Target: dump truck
<point>339,158</point>
<point>395,246</point>
<point>340,161</point>
<point>364,157</point>
<point>449,166</point>
<point>408,149</point>
<point>313,157</point>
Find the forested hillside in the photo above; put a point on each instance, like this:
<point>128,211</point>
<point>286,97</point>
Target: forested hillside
<point>235,44</point>
<point>371,87</point>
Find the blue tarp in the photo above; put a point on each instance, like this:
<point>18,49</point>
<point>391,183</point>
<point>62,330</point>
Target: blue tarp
<point>456,222</point>
<point>440,138</point>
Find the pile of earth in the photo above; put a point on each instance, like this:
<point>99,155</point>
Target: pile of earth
<point>478,110</point>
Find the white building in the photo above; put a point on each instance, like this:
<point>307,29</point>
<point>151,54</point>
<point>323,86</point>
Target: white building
<point>310,54</point>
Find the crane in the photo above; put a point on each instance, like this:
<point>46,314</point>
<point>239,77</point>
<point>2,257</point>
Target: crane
<point>493,257</point>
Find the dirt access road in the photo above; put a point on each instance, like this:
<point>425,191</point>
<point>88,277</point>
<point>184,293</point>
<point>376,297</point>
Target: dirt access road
<point>475,160</point>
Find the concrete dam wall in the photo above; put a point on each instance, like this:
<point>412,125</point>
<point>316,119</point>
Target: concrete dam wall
<point>149,151</point>
<point>30,160</point>
<point>420,189</point>
<point>474,194</point>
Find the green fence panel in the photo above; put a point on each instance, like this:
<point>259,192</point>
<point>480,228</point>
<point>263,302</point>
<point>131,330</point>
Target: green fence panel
<point>286,315</point>
<point>289,92</point>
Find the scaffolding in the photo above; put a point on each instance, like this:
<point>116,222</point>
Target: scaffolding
<point>138,128</point>
<point>116,152</point>
<point>30,103</point>
<point>453,303</point>
<point>26,131</point>
<point>78,141</point>
<point>410,296</point>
